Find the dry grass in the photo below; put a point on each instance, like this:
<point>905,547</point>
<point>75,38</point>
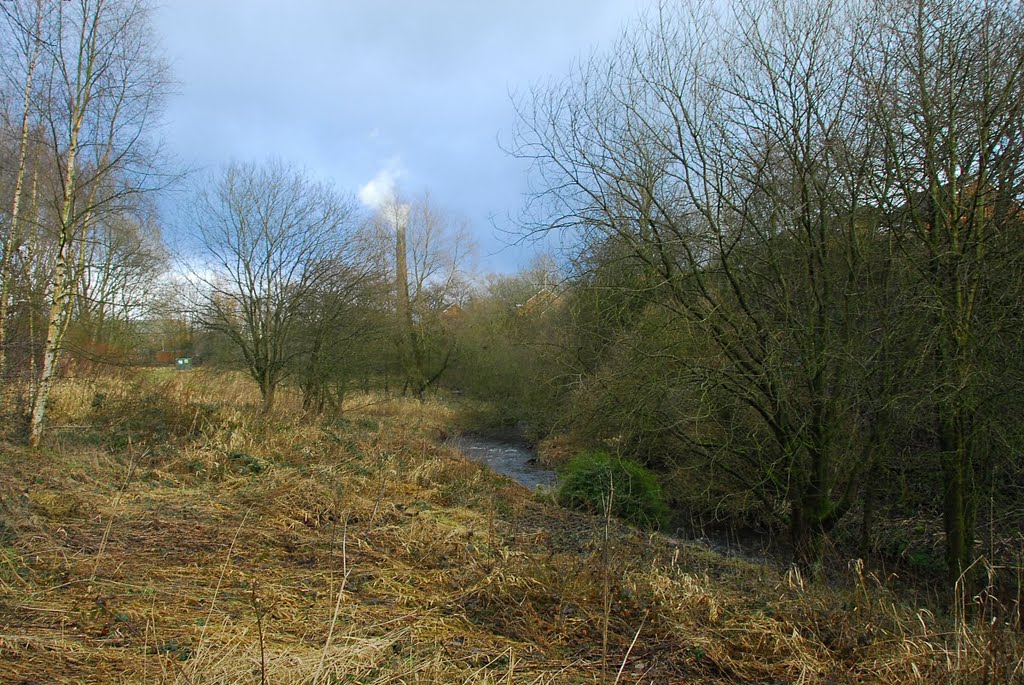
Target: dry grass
<point>170,534</point>
<point>558,449</point>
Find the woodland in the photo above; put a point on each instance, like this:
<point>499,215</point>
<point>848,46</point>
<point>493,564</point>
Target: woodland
<point>786,306</point>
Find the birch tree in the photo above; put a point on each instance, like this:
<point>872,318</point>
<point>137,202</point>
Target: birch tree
<point>102,89</point>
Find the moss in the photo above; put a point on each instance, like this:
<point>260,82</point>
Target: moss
<point>246,463</point>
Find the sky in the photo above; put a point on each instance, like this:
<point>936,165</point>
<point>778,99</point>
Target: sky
<point>375,94</point>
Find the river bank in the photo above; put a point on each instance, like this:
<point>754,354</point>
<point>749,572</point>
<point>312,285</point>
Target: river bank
<point>508,456</point>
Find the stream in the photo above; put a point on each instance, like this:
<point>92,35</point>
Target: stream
<point>512,459</point>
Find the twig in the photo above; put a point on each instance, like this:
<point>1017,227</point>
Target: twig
<point>337,604</point>
<point>113,512</point>
<point>381,459</point>
<point>258,608</point>
<point>335,506</point>
<point>630,650</point>
<point>490,663</point>
<point>14,571</point>
<point>144,636</point>
<point>606,582</point>
<point>156,641</point>
<point>216,590</point>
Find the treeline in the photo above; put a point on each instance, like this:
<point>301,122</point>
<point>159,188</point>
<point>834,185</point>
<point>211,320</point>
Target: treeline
<point>292,282</point>
<point>274,272</point>
<point>795,279</point>
<point>80,247</point>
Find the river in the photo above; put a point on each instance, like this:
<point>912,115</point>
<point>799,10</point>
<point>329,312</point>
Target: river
<point>511,459</point>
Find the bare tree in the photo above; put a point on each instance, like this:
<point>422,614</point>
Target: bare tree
<point>122,266</point>
<point>944,86</point>
<point>340,322</point>
<point>23,29</point>
<point>100,88</point>
<point>818,204</point>
<point>717,160</point>
<point>270,239</point>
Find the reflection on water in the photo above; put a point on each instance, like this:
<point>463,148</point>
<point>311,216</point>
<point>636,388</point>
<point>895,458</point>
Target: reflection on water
<point>507,458</point>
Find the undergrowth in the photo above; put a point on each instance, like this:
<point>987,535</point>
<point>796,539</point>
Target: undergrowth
<point>599,483</point>
<point>169,533</point>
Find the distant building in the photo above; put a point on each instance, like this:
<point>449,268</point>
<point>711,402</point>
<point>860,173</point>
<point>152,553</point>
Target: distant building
<point>452,311</point>
<point>543,301</point>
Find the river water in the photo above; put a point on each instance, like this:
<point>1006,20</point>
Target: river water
<point>518,462</point>
<point>511,459</point>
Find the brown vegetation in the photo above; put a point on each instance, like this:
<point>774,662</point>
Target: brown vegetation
<point>167,533</point>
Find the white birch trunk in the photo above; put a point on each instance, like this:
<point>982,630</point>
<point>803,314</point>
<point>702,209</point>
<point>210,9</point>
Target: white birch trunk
<point>59,299</point>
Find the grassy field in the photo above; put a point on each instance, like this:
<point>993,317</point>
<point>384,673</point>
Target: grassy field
<point>168,533</point>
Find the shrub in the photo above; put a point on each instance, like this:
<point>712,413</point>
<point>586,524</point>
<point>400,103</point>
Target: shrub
<point>590,476</point>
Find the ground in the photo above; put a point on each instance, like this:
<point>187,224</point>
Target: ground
<point>169,533</point>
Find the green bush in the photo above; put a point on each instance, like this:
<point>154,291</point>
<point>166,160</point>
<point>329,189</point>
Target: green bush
<point>636,495</point>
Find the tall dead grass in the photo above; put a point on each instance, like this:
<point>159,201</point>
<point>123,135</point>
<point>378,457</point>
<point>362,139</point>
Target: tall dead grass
<point>172,534</point>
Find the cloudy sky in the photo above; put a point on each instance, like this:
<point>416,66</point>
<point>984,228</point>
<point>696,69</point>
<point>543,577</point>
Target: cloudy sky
<point>367,93</point>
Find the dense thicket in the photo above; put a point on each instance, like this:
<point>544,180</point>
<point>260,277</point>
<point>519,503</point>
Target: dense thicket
<point>798,270</point>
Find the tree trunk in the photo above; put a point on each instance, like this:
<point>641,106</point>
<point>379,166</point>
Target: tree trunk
<point>806,536</point>
<point>807,531</point>
<point>312,391</point>
<point>338,401</point>
<point>51,352</point>
<point>870,503</point>
<point>61,297</point>
<point>958,509</point>
<point>269,390</point>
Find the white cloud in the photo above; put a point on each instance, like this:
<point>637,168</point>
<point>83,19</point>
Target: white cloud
<point>380,190</point>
